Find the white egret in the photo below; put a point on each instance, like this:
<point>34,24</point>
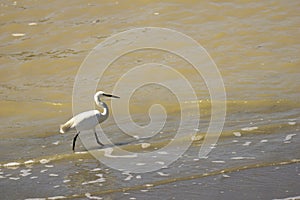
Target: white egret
<point>89,119</point>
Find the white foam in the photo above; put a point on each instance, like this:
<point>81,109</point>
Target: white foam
<point>196,137</point>
<point>136,137</point>
<point>49,166</point>
<point>162,174</point>
<point>25,172</point>
<point>218,161</point>
<point>56,197</point>
<point>53,175</point>
<point>289,198</point>
<point>203,157</point>
<point>160,162</point>
<point>14,178</point>
<point>145,145</point>
<point>129,177</point>
<point>18,34</point>
<point>96,169</point>
<point>162,152</point>
<point>242,158</point>
<point>292,123</point>
<point>32,24</point>
<point>138,177</point>
<point>149,185</point>
<point>55,143</point>
<point>99,175</point>
<point>81,152</point>
<point>225,176</point>
<point>99,180</point>
<point>289,137</point>
<point>108,152</point>
<point>36,199</point>
<point>237,134</point>
<point>249,128</point>
<point>66,181</point>
<point>140,164</point>
<point>11,164</point>
<point>33,177</point>
<point>264,141</point>
<point>44,161</point>
<point>28,162</point>
<point>88,195</point>
<point>246,143</point>
<point>43,170</point>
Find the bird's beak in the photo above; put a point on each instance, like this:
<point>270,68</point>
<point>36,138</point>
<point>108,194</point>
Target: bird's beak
<point>110,95</point>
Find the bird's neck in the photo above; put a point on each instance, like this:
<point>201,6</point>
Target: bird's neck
<point>104,106</point>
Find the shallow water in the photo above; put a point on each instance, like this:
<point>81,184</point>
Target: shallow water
<point>255,45</point>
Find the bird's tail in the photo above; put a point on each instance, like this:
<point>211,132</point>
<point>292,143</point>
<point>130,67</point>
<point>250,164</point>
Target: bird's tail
<point>62,129</point>
<point>65,127</point>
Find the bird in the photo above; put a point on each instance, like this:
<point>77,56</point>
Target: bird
<point>88,120</point>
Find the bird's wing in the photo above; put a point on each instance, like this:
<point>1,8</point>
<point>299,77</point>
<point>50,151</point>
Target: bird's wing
<point>86,120</point>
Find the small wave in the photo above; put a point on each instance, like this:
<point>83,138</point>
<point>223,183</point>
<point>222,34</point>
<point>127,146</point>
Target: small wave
<point>11,164</point>
<point>108,153</point>
<point>242,158</point>
<point>289,137</point>
<point>99,180</point>
<point>249,128</point>
<point>30,55</point>
<point>289,198</point>
<point>43,161</point>
<point>89,196</point>
<point>163,174</point>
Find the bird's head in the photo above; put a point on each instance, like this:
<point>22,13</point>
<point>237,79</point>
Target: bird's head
<point>100,94</point>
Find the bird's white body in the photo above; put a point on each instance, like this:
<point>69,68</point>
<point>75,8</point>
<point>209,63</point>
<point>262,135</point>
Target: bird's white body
<point>84,121</point>
<point>89,119</point>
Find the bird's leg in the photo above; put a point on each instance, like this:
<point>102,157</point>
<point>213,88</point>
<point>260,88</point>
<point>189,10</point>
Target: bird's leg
<point>97,139</point>
<point>74,140</point>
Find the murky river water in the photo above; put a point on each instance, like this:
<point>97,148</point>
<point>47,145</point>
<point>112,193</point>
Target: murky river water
<point>255,45</point>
